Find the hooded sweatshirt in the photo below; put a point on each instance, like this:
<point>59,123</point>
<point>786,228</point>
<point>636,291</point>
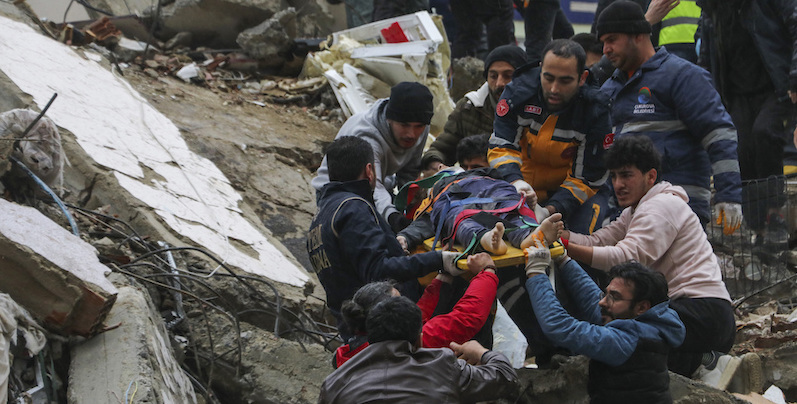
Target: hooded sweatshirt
<point>389,158</point>
<point>663,233</point>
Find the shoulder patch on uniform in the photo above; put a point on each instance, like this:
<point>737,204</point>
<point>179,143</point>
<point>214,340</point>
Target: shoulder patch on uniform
<point>502,108</point>
<point>608,140</point>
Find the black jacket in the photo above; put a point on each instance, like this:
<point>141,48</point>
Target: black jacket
<point>643,378</point>
<point>773,26</point>
<point>350,245</point>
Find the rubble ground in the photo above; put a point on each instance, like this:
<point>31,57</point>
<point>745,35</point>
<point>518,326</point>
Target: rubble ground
<point>240,338</point>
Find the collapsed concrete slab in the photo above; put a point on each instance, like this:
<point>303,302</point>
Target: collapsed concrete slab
<point>136,356</point>
<point>272,39</point>
<point>188,198</point>
<point>215,23</point>
<point>55,275</point>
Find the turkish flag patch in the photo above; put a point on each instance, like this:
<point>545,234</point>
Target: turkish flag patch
<point>502,108</point>
<point>608,141</point>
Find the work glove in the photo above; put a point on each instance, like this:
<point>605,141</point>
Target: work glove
<point>729,215</point>
<point>523,187</point>
<point>538,258</point>
<point>450,263</point>
<point>398,222</point>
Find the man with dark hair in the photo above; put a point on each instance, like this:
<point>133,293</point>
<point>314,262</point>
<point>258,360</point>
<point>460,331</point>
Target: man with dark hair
<point>472,152</point>
<point>393,368</point>
<point>396,129</point>
<point>658,230</point>
<point>592,46</point>
<point>475,112</point>
<point>549,135</point>
<point>461,324</point>
<point>350,244</point>
<point>626,332</point>
<point>673,102</point>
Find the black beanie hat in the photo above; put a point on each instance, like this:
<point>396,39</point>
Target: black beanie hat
<point>625,17</point>
<point>511,54</point>
<point>410,102</point>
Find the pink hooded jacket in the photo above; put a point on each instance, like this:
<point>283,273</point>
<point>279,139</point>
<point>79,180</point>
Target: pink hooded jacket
<point>662,233</point>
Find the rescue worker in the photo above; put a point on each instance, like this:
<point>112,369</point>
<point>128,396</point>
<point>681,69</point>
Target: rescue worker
<point>396,128</point>
<point>677,29</point>
<point>462,323</point>
<point>475,112</point>
<point>627,331</point>
<point>673,102</point>
<point>549,135</point>
<point>395,369</point>
<point>657,230</point>
<point>349,244</point>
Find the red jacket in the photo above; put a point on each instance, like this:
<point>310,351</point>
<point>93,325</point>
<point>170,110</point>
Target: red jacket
<point>460,325</point>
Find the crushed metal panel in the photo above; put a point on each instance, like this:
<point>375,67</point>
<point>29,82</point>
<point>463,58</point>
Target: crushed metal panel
<point>120,130</point>
<point>52,273</point>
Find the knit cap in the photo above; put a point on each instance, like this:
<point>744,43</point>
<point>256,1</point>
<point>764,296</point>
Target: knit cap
<point>410,102</point>
<point>624,17</point>
<point>511,54</point>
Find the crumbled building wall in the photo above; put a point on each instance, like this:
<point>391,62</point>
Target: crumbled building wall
<point>135,356</point>
<point>148,157</point>
<point>52,273</point>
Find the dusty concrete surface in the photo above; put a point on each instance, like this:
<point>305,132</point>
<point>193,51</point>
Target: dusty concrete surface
<point>271,370</point>
<point>135,353</point>
<point>52,273</point>
<point>567,383</point>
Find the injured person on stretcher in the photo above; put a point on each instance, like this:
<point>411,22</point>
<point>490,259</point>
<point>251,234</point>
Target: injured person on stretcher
<point>479,211</point>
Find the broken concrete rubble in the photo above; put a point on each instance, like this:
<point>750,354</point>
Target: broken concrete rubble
<point>137,352</point>
<point>365,47</point>
<point>52,273</point>
<point>272,39</point>
<point>190,196</point>
<point>16,328</point>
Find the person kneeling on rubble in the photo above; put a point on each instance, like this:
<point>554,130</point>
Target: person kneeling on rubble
<point>395,368</point>
<point>461,324</point>
<point>396,129</point>
<point>626,331</point>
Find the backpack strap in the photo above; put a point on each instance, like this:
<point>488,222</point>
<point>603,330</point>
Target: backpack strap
<point>335,231</point>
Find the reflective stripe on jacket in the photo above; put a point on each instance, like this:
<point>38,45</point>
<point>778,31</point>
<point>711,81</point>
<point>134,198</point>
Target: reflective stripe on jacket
<point>563,159</point>
<point>674,103</point>
<point>680,24</point>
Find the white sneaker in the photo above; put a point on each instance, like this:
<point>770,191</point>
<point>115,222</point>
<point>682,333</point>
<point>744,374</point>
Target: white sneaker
<point>719,373</point>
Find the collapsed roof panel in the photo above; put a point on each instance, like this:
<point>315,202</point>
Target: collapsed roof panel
<point>121,131</point>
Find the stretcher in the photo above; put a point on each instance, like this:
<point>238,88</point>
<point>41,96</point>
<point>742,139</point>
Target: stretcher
<point>513,257</point>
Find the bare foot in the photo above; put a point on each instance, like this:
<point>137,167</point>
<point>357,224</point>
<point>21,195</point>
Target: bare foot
<point>549,231</point>
<point>493,241</point>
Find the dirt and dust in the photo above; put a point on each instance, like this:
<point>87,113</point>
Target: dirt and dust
<point>269,153</point>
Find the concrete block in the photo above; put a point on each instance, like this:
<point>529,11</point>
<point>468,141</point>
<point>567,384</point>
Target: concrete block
<point>272,38</point>
<point>137,354</point>
<point>53,274</point>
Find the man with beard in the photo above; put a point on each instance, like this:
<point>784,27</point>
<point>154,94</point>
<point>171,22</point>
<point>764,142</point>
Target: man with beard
<point>475,112</point>
<point>396,128</point>
<point>656,228</point>
<point>626,331</point>
<point>549,135</point>
<point>674,103</point>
